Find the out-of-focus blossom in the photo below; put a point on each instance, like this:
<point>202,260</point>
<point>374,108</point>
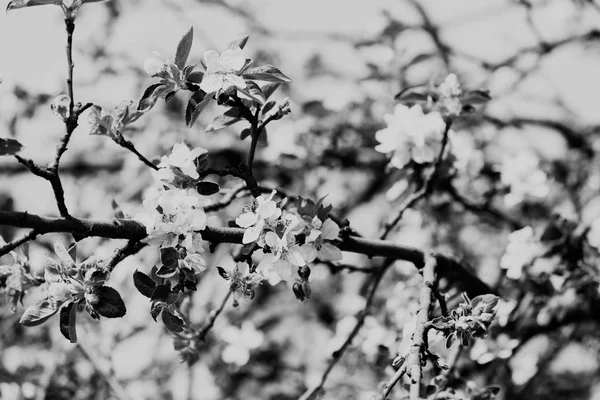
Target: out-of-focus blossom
<point>241,341</point>
<point>524,177</point>
<point>222,71</point>
<point>501,347</point>
<point>411,135</point>
<point>593,235</point>
<point>522,249</point>
<point>449,92</point>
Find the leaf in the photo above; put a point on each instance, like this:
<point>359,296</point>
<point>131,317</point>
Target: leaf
<point>117,211</point>
<point>256,92</point>
<point>198,102</point>
<point>172,321</point>
<point>245,133</point>
<point>63,254</point>
<point>14,4</point>
<point>169,257</point>
<point>269,73</point>
<point>39,312</point>
<point>68,322</point>
<point>268,106</point>
<point>416,94</point>
<point>150,96</point>
<point>195,77</point>
<point>170,95</point>
<point>143,283</point>
<point>109,304</point>
<point>183,48</point>
<point>9,147</point>
<point>476,97</point>
<point>207,188</point>
<point>161,293</point>
<point>239,42</point>
<point>270,88</point>
<point>228,118</point>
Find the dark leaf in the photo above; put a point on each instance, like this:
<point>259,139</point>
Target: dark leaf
<point>269,73</point>
<point>39,312</point>
<point>270,88</point>
<point>156,308</point>
<point>245,133</point>
<point>207,188</point>
<point>172,321</point>
<point>9,147</point>
<point>183,48</point>
<point>476,97</point>
<point>195,77</point>
<point>230,117</point>
<point>268,106</point>
<point>110,304</point>
<point>68,322</point>
<point>418,93</point>
<point>150,96</point>
<point>143,283</point>
<point>169,257</point>
<point>169,96</point>
<point>198,102</point>
<point>172,297</point>
<point>117,211</point>
<point>202,162</point>
<point>223,272</point>
<point>239,42</point>
<point>166,272</point>
<point>161,293</point>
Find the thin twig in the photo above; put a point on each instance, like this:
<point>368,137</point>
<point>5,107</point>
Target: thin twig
<point>118,390</point>
<point>425,190</point>
<point>131,248</point>
<point>227,199</point>
<point>387,389</point>
<point>201,335</point>
<point>360,319</point>
<point>126,144</point>
<point>10,246</point>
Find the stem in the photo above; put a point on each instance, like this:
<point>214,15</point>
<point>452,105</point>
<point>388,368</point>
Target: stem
<point>425,190</point>
<point>360,319</point>
<point>201,335</point>
<point>256,131</point>
<point>129,146</point>
<point>419,338</point>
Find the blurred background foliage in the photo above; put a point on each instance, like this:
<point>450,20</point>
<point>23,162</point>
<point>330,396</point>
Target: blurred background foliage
<point>538,142</point>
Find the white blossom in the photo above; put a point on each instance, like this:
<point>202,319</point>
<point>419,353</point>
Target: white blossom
<point>222,71</point>
<point>411,134</point>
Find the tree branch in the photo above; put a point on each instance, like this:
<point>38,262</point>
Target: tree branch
<point>10,246</point>
<point>134,230</point>
<point>419,338</point>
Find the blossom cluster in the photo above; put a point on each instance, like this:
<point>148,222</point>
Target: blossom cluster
<point>289,238</point>
<point>174,212</point>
